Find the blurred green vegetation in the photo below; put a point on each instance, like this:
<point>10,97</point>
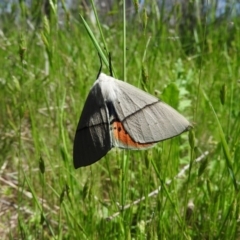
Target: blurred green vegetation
<point>47,69</point>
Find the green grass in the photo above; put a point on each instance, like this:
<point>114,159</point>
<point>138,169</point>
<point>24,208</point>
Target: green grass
<point>46,74</point>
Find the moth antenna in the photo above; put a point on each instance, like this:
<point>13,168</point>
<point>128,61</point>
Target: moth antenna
<point>110,64</point>
<point>100,69</point>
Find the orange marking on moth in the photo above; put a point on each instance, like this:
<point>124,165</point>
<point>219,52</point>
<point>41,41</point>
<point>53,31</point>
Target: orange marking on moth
<point>122,136</point>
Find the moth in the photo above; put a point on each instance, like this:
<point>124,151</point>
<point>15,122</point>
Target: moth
<point>117,114</point>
